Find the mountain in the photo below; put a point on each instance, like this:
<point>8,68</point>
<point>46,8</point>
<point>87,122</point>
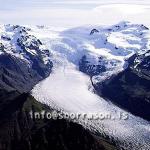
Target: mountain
<point>70,69</point>
<point>23,59</point>
<point>132,86</point>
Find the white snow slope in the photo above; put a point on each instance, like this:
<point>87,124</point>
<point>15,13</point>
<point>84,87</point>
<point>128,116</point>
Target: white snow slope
<point>70,90</point>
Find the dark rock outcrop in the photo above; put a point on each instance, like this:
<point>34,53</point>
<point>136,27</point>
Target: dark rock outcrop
<point>93,31</point>
<point>92,69</point>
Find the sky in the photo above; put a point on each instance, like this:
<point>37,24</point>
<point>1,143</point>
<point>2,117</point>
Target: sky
<point>71,13</point>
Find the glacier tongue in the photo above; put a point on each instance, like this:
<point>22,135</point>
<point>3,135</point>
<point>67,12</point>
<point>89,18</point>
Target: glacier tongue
<point>67,89</point>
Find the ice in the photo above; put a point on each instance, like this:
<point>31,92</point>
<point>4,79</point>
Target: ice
<point>68,89</point>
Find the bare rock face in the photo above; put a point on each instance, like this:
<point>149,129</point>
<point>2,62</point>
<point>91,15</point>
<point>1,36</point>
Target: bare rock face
<point>142,64</point>
<point>19,132</point>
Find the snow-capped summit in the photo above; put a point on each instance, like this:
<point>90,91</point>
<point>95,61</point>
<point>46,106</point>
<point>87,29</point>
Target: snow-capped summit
<point>114,44</point>
<point>17,41</point>
<point>96,51</point>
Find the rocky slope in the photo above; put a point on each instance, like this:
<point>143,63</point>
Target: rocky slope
<point>130,89</point>
<point>18,131</point>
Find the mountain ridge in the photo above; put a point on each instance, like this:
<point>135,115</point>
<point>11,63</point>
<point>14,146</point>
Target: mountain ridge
<point>59,66</point>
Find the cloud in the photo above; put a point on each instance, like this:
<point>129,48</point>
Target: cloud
<point>70,13</point>
<point>111,13</point>
<point>124,8</point>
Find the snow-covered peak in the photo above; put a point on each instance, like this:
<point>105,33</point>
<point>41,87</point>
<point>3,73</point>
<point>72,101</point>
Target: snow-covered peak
<point>115,44</point>
<point>19,42</point>
<point>24,60</point>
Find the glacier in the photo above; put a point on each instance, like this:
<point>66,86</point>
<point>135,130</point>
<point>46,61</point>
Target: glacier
<point>71,90</point>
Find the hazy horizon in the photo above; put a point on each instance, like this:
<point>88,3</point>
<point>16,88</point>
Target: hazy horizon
<point>70,13</point>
